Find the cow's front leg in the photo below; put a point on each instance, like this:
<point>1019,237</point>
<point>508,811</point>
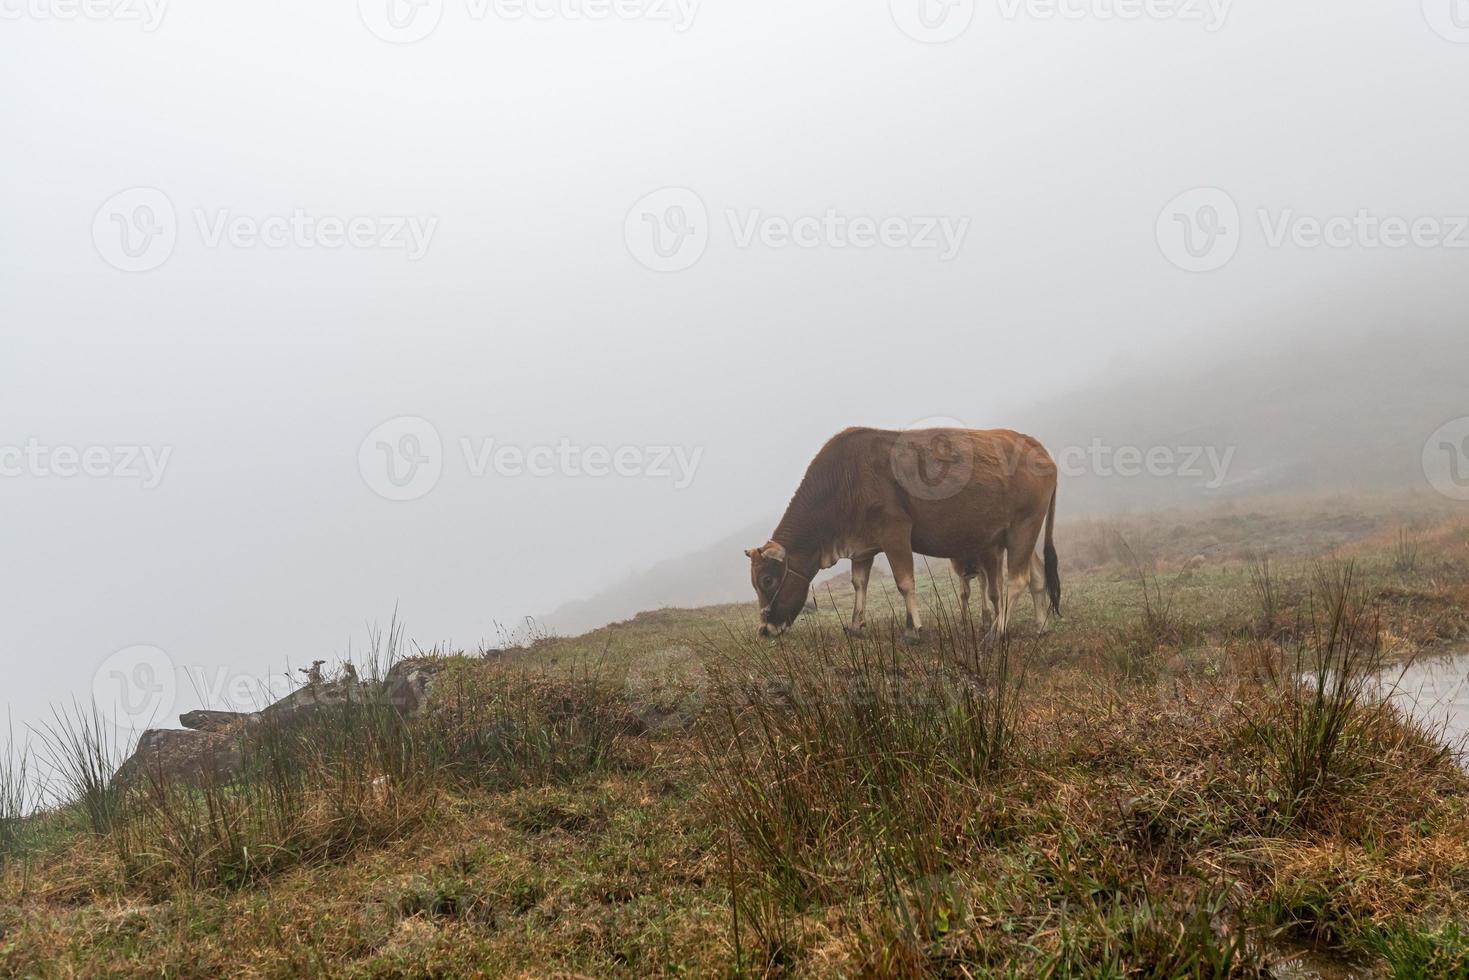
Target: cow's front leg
<point>861,575</point>
<point>900,556</point>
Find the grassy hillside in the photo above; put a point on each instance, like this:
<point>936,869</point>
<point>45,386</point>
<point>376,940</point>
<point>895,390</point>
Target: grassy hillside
<point>1146,790</point>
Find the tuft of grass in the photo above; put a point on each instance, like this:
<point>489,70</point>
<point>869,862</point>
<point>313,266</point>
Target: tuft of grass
<point>314,785</point>
<point>1422,952</point>
<point>309,793</point>
<point>1320,711</point>
<point>1164,936</point>
<point>1160,625</point>
<point>84,751</point>
<point>504,725</point>
<point>1405,551</point>
<point>842,766</point>
<point>15,797</point>
<point>1264,582</point>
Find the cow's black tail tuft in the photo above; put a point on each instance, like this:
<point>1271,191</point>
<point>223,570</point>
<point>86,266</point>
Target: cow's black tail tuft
<point>1053,564</point>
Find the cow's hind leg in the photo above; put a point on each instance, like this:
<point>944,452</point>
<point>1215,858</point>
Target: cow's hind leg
<point>1020,543</point>
<point>991,566</point>
<point>965,571</point>
<point>1038,591</point>
<point>861,575</point>
<point>900,557</point>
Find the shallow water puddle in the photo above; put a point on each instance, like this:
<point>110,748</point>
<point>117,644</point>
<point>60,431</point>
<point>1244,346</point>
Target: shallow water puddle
<point>1435,690</point>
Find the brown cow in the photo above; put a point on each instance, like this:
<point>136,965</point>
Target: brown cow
<point>979,497</point>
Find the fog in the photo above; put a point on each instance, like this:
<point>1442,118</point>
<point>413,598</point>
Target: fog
<point>302,326</point>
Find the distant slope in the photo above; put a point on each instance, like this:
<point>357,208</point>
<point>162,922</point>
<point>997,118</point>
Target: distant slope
<point>708,577</point>
<point>1352,417</point>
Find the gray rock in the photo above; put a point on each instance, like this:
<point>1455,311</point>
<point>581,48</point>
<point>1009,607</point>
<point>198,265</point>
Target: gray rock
<point>180,755</point>
<point>409,684</point>
<point>218,721</point>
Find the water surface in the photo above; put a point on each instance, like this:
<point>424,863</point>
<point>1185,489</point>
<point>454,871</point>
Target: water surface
<point>1435,690</point>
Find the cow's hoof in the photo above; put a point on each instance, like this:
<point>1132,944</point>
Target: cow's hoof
<point>912,637</point>
<point>855,632</point>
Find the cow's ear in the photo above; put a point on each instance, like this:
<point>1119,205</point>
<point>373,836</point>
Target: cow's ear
<point>774,551</point>
<point>750,553</point>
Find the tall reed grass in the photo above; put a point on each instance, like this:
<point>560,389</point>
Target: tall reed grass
<point>1325,704</point>
<point>15,796</point>
<point>841,766</point>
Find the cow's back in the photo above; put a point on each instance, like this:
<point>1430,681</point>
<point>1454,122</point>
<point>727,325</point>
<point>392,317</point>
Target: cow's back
<point>963,488</point>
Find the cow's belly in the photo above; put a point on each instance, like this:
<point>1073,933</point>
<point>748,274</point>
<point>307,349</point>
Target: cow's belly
<point>960,527</point>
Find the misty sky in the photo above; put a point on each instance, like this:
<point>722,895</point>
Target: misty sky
<point>336,231</point>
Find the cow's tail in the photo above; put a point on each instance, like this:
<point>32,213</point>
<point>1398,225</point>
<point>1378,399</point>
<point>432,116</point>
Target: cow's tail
<point>1053,565</point>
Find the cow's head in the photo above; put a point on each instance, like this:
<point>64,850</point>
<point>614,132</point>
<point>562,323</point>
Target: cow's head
<point>779,589</point>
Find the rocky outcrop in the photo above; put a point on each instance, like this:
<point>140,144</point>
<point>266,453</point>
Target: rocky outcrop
<point>182,756</point>
<point>210,745</point>
<point>306,701</point>
<point>409,683</point>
